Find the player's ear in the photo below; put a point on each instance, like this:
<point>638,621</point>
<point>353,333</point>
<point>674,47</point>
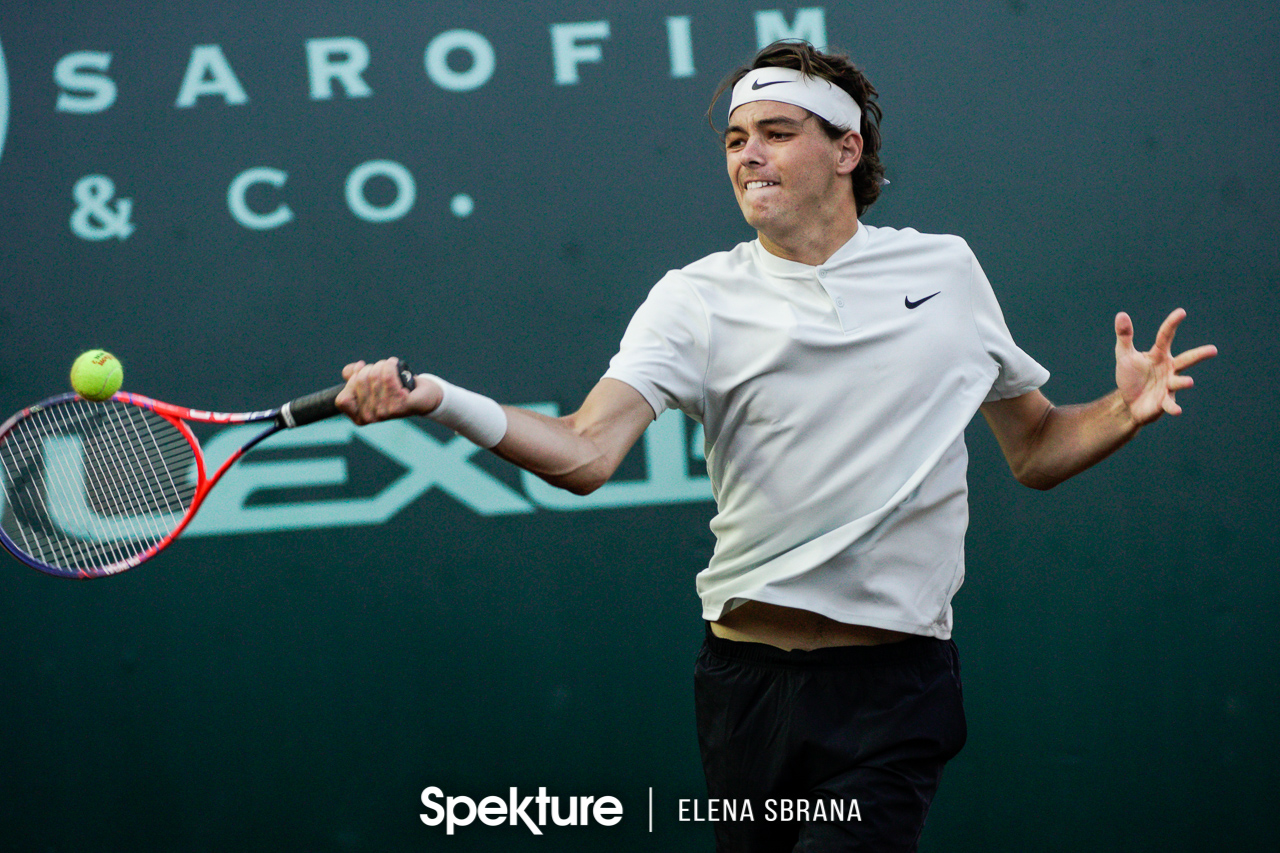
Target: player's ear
<point>849,152</point>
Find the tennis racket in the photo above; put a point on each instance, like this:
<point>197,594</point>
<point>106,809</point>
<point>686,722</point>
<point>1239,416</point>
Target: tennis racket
<point>91,489</point>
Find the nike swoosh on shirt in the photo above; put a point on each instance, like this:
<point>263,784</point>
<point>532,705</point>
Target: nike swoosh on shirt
<point>756,84</point>
<point>906,300</point>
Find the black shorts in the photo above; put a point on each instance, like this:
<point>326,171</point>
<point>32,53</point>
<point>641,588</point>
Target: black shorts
<point>835,749</point>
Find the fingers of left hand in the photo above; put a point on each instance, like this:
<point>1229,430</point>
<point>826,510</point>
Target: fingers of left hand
<point>1164,337</point>
<point>1194,356</point>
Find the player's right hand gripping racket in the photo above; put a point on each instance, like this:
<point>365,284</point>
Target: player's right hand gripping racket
<point>92,489</point>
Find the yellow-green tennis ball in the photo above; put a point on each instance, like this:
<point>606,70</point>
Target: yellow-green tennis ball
<point>96,375</point>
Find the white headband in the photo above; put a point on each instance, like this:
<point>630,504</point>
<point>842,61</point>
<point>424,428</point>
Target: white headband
<point>818,96</point>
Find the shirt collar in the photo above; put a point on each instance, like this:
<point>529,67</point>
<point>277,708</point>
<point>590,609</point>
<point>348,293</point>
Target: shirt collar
<point>784,268</point>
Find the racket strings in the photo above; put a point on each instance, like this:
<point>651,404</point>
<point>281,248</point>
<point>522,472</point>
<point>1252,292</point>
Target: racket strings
<point>90,485</point>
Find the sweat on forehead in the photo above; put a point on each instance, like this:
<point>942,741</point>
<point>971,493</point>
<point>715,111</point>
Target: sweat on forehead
<point>788,86</point>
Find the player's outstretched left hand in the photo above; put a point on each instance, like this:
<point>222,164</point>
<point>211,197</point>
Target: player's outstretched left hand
<point>1148,381</point>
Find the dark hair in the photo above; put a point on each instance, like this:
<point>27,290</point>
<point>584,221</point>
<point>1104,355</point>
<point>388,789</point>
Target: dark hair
<point>808,60</point>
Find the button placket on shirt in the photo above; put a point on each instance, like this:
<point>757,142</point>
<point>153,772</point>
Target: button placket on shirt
<point>846,322</point>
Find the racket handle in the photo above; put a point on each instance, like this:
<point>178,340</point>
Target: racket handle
<point>310,408</point>
<point>320,405</point>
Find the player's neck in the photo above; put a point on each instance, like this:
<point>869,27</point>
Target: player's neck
<point>812,246</point>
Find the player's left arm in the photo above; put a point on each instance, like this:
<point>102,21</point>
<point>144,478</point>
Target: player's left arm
<point>1046,444</point>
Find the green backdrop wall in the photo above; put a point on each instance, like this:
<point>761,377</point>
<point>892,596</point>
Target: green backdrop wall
<point>238,198</point>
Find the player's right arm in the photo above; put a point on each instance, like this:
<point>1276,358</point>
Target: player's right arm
<point>578,452</point>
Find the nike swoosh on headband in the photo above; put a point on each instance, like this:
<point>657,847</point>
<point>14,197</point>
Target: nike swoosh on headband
<point>790,86</point>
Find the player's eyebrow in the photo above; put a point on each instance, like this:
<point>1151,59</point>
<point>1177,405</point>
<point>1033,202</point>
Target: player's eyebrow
<point>764,122</point>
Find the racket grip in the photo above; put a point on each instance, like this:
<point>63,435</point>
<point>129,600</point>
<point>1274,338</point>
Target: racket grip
<point>320,405</point>
<point>310,408</point>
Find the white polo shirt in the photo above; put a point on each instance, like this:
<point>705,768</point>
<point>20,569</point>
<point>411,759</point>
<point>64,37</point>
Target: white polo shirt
<point>834,401</point>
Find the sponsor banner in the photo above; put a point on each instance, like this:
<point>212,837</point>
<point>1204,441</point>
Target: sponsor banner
<point>204,195</point>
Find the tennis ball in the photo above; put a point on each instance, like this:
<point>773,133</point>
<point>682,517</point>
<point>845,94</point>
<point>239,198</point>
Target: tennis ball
<point>96,375</point>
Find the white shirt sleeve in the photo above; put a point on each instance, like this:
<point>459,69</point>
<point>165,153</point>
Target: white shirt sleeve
<point>664,351</point>
<point>1019,372</point>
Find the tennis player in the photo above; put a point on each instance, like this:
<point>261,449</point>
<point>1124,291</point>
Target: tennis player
<point>834,366</point>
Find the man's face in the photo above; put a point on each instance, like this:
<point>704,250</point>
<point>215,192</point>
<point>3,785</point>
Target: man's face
<point>786,172</point>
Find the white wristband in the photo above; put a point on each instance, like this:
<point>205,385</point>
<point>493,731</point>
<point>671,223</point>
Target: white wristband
<point>472,416</point>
